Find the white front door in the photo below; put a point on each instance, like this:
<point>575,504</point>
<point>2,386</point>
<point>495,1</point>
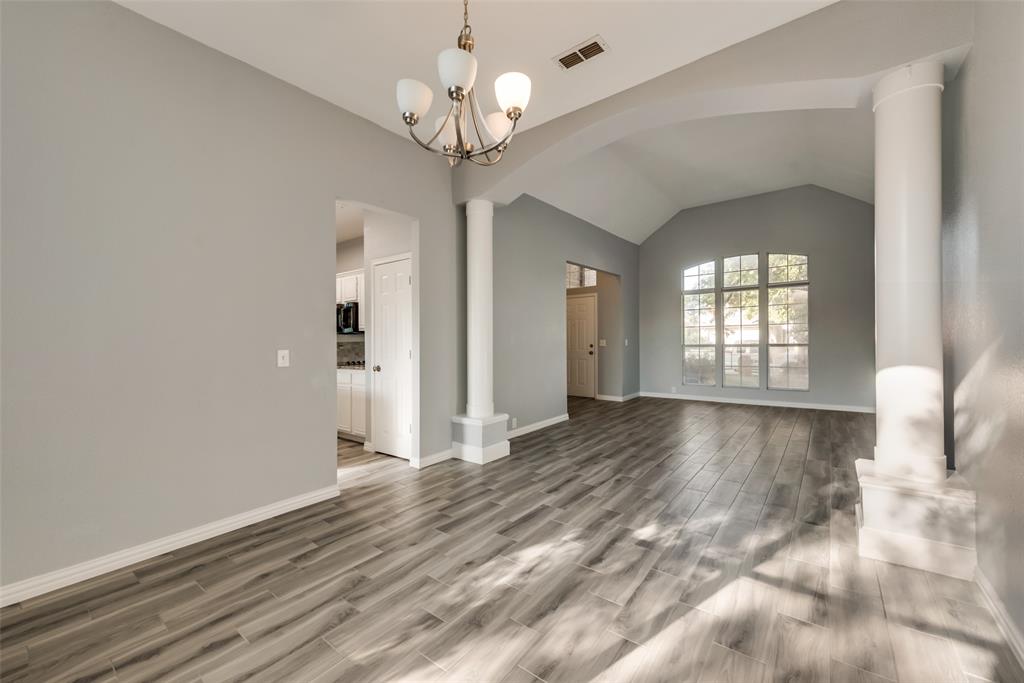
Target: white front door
<point>581,343</point>
<point>391,341</point>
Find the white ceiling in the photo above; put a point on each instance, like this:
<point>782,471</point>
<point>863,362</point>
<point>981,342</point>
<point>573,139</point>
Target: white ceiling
<point>632,187</point>
<point>351,53</point>
<point>348,222</point>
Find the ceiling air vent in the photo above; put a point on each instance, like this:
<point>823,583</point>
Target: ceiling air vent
<point>586,50</point>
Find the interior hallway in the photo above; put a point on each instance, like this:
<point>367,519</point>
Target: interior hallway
<point>649,540</point>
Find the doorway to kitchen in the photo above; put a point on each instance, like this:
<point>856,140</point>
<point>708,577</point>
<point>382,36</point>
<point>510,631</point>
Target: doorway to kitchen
<point>377,343</point>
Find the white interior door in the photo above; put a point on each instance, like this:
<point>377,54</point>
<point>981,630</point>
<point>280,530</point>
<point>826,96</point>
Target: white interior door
<point>391,342</point>
<point>581,345</point>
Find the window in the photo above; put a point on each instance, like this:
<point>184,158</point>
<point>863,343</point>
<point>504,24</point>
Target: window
<point>741,338</point>
<point>699,325</point>
<point>740,271</point>
<point>787,268</point>
<point>699,277</point>
<point>788,325</point>
<point>579,276</point>
<point>746,337</point>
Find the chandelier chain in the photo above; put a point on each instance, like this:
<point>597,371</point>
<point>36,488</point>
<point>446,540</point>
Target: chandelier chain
<point>465,15</point>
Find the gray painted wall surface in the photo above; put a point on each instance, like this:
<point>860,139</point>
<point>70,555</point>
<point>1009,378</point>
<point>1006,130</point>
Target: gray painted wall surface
<point>532,242</point>
<point>168,217</point>
<point>609,328</point>
<point>837,234</point>
<point>983,288</point>
<point>348,255</point>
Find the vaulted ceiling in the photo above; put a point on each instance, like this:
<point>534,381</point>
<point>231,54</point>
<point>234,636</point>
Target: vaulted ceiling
<point>633,186</point>
<point>351,53</point>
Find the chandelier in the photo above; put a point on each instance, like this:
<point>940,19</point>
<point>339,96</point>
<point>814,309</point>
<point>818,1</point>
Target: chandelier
<point>490,134</point>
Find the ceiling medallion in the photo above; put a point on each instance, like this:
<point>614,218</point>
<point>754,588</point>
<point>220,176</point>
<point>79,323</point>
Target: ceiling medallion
<point>457,68</point>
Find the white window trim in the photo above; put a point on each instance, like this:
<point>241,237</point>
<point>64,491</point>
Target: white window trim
<point>764,344</point>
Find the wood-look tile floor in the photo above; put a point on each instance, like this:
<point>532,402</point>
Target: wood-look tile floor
<point>653,540</point>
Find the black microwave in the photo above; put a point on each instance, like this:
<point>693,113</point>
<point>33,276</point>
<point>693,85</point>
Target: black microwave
<point>348,318</point>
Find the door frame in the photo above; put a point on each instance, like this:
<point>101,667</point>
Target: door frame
<point>414,438</point>
<point>597,342</point>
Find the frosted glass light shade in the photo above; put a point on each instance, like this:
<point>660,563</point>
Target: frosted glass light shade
<point>414,97</point>
<point>456,68</point>
<point>512,90</point>
<point>496,127</point>
<point>447,137</point>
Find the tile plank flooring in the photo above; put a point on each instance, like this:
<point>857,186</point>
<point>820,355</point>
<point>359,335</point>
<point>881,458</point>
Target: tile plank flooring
<point>653,540</point>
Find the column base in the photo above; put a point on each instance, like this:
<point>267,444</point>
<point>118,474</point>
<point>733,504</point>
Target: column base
<point>480,440</point>
<point>925,526</point>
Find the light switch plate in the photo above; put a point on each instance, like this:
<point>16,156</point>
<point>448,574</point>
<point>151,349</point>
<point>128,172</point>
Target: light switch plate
<point>602,342</point>
<point>283,358</point>
<point>627,342</point>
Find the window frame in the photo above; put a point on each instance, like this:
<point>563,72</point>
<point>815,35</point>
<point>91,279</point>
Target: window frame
<point>764,344</point>
<point>714,291</point>
<point>583,271</point>
<point>768,345</point>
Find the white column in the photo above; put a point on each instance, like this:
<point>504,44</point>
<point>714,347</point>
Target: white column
<point>908,274</point>
<point>480,435</point>
<point>480,308</point>
<point>911,510</point>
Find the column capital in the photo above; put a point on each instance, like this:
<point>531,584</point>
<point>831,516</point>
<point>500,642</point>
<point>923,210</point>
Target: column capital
<point>480,207</point>
<point>906,78</point>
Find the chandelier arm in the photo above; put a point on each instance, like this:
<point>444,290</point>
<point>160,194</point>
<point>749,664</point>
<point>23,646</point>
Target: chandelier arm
<point>460,142</point>
<point>474,109</point>
<point>500,143</point>
<point>437,133</point>
<point>427,146</point>
<point>489,162</point>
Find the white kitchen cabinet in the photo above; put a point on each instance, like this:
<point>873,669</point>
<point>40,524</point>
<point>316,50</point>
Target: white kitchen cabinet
<point>352,402</point>
<point>362,308</point>
<point>350,286</point>
<point>344,407</point>
<point>359,410</point>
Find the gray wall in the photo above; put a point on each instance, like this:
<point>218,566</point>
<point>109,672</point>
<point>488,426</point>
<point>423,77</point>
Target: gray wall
<point>609,328</point>
<point>983,288</point>
<point>168,216</point>
<point>837,234</point>
<point>348,255</point>
<point>532,242</point>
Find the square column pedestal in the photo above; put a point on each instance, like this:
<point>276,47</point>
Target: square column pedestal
<point>480,439</point>
<point>925,526</point>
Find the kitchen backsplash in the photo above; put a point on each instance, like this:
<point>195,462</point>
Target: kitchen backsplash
<point>351,351</point>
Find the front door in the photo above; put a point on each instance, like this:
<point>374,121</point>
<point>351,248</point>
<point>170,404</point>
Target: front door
<point>581,342</point>
<point>391,340</point>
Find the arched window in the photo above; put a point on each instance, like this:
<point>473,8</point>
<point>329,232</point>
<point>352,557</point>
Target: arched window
<point>723,319</point>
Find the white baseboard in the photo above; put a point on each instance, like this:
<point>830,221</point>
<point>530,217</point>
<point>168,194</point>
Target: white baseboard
<point>434,458</point>
<point>368,446</point>
<point>617,399</point>
<point>761,402</point>
<point>480,455</point>
<point>1010,630</point>
<point>44,583</point>
<point>526,429</point>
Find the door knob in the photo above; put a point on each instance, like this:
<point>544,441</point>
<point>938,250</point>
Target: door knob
<point>376,368</point>
<point>591,353</point>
